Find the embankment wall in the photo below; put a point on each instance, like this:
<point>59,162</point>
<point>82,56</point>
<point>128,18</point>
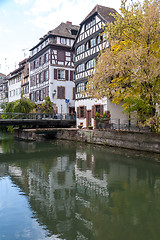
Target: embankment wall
<point>125,139</point>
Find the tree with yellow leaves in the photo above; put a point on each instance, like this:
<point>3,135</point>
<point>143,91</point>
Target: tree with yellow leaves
<point>129,69</point>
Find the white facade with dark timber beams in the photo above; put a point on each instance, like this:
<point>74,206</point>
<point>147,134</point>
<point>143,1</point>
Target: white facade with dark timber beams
<point>89,42</point>
<point>52,68</point>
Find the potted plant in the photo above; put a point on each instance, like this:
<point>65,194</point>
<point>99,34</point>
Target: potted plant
<point>103,119</point>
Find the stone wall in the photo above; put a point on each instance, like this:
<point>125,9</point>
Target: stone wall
<point>125,139</point>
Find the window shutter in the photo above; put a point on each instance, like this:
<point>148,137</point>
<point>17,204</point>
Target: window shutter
<point>31,66</point>
<point>85,110</point>
<point>77,112</point>
<point>63,92</point>
<point>48,73</point>
<point>40,95</point>
<point>33,96</point>
<point>43,76</point>
<point>44,95</point>
<point>58,92</point>
<point>71,75</point>
<point>73,97</point>
<point>42,59</point>
<point>101,109</point>
<point>66,75</point>
<point>93,111</point>
<point>37,93</point>
<point>37,79</point>
<point>34,80</point>
<point>72,57</point>
<point>55,74</point>
<point>47,91</point>
<point>60,55</point>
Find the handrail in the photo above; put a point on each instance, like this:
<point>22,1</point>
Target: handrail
<point>4,115</point>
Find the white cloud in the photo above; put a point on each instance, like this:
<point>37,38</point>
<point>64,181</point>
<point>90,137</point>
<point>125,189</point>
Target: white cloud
<point>48,14</point>
<point>4,12</point>
<point>21,2</point>
<point>8,30</point>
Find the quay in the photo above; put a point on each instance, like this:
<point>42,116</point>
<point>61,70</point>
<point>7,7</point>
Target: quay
<point>143,141</point>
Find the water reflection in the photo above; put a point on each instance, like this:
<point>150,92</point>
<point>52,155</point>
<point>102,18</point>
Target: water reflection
<point>85,192</point>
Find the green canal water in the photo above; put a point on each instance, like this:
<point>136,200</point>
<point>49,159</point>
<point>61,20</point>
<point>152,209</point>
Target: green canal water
<point>56,190</point>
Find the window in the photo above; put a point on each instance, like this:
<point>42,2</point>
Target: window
<point>88,45</point>
<point>98,108</point>
<point>40,61</point>
<point>61,74</point>
<point>40,95</point>
<point>68,54</point>
<point>40,78</point>
<point>61,92</point>
<point>46,75</point>
<point>63,40</point>
<point>37,79</point>
<point>80,87</point>
<point>80,49</point>
<point>31,96</point>
<point>68,58</point>
<point>93,42</point>
<point>91,23</point>
<point>99,39</point>
<point>90,64</point>
<point>80,68</point>
<point>45,57</point>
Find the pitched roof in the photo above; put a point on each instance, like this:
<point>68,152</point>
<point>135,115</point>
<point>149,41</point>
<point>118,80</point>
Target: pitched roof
<point>2,76</point>
<point>104,12</point>
<point>65,30</point>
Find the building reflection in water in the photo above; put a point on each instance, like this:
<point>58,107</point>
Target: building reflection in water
<point>74,195</point>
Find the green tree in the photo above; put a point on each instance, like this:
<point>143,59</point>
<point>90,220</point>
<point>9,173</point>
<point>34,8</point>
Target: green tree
<point>46,107</point>
<point>23,106</point>
<point>20,106</point>
<point>129,69</point>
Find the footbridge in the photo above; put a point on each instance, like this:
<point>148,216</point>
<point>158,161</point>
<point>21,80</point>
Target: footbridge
<point>37,120</point>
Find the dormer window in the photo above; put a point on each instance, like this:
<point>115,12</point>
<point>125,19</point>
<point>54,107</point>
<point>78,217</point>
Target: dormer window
<point>63,41</point>
<point>91,23</point>
<point>73,32</point>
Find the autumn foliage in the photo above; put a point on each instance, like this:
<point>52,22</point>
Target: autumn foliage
<point>129,69</point>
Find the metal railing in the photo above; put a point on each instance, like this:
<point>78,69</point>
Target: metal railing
<point>38,116</point>
<point>126,125</point>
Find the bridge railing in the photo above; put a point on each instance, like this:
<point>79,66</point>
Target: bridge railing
<point>37,116</point>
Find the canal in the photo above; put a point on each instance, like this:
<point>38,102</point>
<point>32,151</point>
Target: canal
<point>56,190</point>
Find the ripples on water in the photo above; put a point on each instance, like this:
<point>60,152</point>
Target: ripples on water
<point>62,190</point>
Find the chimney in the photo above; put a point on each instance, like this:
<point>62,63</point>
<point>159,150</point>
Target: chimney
<point>68,22</point>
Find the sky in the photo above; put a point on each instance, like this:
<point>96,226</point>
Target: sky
<point>23,22</point>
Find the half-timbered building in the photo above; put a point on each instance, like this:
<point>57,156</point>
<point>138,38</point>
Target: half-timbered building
<point>89,42</point>
<point>16,80</point>
<point>52,68</point>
